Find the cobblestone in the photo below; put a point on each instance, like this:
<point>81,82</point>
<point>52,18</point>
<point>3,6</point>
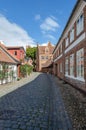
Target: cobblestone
<point>37,105</point>
<point>75,103</point>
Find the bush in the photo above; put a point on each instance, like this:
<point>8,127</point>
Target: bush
<point>25,70</point>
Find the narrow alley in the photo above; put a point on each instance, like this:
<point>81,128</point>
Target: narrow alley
<point>38,105</point>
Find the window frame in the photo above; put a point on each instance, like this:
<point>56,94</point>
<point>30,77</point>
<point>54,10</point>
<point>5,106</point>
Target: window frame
<point>80,24</point>
<point>66,42</point>
<point>72,65</point>
<point>67,65</point>
<point>72,34</point>
<point>79,61</point>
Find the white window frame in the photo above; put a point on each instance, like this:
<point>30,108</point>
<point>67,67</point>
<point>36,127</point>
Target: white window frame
<point>66,42</point>
<point>72,35</point>
<point>80,24</point>
<point>72,65</point>
<point>80,63</point>
<point>66,65</point>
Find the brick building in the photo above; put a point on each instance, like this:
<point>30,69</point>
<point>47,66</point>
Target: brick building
<point>18,51</point>
<point>44,57</point>
<point>70,51</point>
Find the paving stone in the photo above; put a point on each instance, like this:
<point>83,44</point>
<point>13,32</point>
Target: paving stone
<point>37,105</point>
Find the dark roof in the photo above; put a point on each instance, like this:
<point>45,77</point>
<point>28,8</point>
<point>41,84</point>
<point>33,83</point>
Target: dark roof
<point>15,47</point>
<point>68,22</point>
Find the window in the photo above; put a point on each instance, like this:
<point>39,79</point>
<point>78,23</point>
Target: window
<point>15,52</point>
<point>66,65</point>
<point>61,48</point>
<point>72,35</point>
<point>46,57</point>
<point>80,24</point>
<point>72,65</point>
<point>42,57</point>
<point>80,63</point>
<point>66,42</point>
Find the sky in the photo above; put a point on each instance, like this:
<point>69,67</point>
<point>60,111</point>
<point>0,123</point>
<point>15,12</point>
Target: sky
<point>32,22</point>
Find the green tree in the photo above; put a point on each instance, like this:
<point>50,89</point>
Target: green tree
<point>31,52</point>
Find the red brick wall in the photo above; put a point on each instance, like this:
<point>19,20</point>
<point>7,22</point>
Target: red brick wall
<point>82,44</point>
<point>20,53</point>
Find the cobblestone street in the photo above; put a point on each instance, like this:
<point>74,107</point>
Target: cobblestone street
<point>35,106</point>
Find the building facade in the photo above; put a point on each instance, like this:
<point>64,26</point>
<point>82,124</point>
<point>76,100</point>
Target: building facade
<point>70,51</point>
<point>9,66</point>
<point>44,57</point>
<point>17,51</point>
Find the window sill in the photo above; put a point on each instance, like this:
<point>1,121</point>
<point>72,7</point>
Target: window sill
<point>76,78</point>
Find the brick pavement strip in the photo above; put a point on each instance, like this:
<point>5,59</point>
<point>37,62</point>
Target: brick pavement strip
<point>36,105</point>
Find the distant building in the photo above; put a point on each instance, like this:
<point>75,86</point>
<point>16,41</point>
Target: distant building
<point>70,51</point>
<point>9,65</point>
<point>28,61</point>
<point>44,57</point>
<point>17,51</point>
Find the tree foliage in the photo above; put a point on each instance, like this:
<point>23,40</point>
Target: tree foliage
<point>31,52</point>
<point>25,70</point>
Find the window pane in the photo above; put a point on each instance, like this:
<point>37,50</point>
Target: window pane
<point>66,44</point>
<point>66,65</point>
<point>72,64</point>
<point>72,35</point>
<point>80,23</point>
<point>80,63</point>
